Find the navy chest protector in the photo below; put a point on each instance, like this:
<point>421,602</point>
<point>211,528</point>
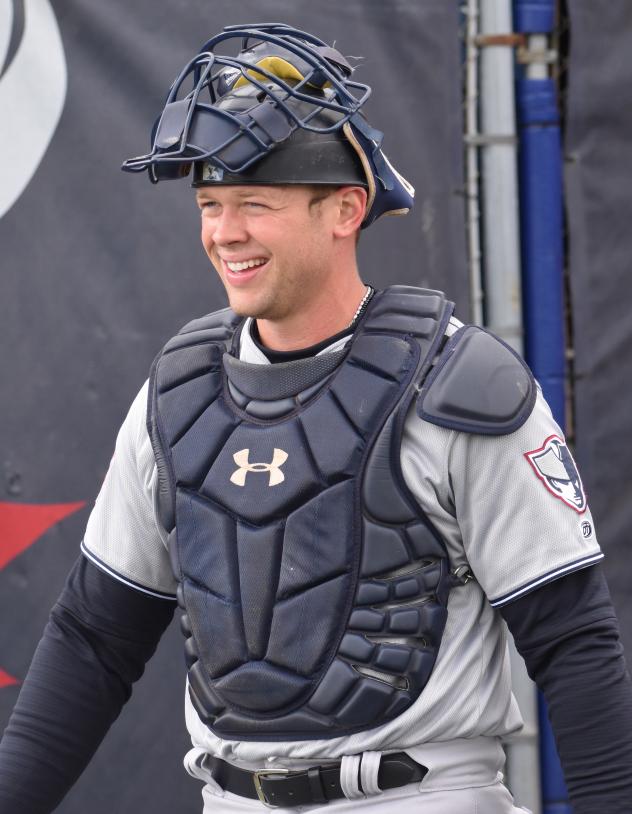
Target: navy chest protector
<point>314,590</point>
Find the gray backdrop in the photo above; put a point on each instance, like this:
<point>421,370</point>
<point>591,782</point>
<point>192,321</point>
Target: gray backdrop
<point>99,268</point>
<point>599,212</point>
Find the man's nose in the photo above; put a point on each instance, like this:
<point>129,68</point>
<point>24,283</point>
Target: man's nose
<point>229,227</point>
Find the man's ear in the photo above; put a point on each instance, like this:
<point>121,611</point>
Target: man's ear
<point>351,207</point>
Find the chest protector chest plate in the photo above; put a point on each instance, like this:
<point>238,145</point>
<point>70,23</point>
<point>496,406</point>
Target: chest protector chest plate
<point>314,590</point>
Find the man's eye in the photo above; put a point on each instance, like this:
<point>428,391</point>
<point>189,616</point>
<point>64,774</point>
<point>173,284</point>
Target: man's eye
<point>255,205</point>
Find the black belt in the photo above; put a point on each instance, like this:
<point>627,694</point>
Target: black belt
<point>318,784</point>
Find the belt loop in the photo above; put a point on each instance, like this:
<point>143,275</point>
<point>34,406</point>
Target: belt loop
<point>349,780</point>
<point>316,785</point>
<point>369,769</point>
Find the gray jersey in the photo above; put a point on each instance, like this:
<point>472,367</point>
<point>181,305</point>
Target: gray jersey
<point>506,509</point>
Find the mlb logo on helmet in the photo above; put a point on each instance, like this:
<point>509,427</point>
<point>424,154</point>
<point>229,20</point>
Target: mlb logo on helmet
<point>212,173</point>
<point>554,465</point>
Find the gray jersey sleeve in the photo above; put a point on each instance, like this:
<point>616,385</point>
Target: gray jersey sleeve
<point>123,536</point>
<point>511,507</point>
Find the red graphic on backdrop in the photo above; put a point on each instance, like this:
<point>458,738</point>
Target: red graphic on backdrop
<point>21,524</point>
<point>6,680</point>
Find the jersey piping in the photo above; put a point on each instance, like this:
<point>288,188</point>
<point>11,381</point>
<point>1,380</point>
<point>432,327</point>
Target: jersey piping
<point>551,576</point>
<point>125,580</point>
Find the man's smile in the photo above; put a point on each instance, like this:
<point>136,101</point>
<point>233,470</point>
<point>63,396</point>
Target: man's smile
<point>236,265</point>
<point>239,272</point>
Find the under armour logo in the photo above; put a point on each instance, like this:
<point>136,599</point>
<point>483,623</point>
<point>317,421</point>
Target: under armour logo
<point>273,468</point>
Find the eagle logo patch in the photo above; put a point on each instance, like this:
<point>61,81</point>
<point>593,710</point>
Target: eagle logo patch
<point>554,465</point>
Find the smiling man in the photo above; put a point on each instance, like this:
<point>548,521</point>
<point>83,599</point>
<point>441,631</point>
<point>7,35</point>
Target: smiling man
<point>345,491</point>
<point>286,256</point>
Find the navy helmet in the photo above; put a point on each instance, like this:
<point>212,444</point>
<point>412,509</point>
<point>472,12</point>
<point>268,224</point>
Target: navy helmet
<point>285,110</point>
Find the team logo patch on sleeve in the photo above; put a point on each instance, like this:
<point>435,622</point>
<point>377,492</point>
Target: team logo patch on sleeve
<point>554,465</point>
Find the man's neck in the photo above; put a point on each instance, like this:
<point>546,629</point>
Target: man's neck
<point>313,326</point>
<point>277,356</point>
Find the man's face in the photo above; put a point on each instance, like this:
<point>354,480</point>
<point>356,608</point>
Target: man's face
<point>271,246</point>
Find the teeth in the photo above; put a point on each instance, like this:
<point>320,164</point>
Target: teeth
<point>247,264</point>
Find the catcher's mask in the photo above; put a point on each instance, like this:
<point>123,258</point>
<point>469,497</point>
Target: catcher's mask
<point>283,111</point>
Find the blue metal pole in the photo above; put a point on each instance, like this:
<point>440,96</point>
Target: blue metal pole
<point>540,167</point>
<point>534,16</point>
<point>540,172</point>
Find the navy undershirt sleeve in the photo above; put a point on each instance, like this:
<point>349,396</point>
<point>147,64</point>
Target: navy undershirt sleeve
<point>568,635</point>
<point>98,639</point>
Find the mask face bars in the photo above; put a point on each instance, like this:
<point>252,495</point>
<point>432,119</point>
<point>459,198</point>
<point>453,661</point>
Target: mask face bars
<point>287,81</point>
<point>190,130</point>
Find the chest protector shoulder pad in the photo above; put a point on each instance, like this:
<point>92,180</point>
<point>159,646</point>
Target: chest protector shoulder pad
<point>478,384</point>
<point>313,588</point>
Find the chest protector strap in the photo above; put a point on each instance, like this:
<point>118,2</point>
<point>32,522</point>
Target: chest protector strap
<point>314,590</point>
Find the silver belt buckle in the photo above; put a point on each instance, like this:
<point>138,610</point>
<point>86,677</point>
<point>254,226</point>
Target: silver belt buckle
<point>257,781</point>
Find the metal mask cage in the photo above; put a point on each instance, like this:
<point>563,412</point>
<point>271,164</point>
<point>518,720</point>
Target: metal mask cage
<point>190,129</point>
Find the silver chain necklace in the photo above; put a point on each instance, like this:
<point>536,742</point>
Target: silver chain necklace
<point>365,299</point>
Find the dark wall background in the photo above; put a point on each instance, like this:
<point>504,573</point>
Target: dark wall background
<point>99,268</point>
<point>599,217</point>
